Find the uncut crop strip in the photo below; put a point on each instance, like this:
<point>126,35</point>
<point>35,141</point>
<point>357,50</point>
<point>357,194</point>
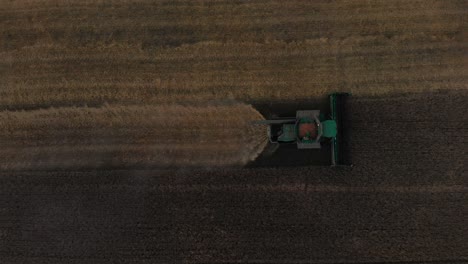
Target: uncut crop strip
<point>49,56</point>
<point>59,76</point>
<point>126,137</point>
<point>173,23</point>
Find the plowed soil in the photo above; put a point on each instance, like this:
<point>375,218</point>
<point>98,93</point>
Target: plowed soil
<point>404,200</point>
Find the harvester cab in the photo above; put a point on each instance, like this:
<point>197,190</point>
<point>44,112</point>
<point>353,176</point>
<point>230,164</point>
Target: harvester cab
<point>312,129</point>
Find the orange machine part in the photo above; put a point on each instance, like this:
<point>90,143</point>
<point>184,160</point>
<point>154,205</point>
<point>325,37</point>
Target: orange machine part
<point>308,130</point>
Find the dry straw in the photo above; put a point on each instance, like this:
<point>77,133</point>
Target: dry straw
<point>124,137</point>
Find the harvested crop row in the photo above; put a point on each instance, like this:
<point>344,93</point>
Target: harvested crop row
<point>122,137</point>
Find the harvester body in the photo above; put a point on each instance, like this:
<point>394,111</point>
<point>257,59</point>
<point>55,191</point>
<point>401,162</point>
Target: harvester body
<point>312,129</point>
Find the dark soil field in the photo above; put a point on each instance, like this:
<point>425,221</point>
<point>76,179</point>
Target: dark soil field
<point>403,201</point>
<point>126,136</point>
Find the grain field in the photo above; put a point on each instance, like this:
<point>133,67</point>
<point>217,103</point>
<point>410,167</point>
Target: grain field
<point>125,131</point>
<point>74,52</point>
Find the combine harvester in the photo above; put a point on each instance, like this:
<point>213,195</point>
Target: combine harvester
<point>311,129</point>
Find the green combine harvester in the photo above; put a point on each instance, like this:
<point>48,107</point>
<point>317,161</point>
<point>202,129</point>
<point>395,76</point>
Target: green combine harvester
<point>311,129</point>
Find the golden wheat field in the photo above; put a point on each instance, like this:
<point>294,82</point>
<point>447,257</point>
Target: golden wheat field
<point>142,53</point>
<point>75,52</point>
